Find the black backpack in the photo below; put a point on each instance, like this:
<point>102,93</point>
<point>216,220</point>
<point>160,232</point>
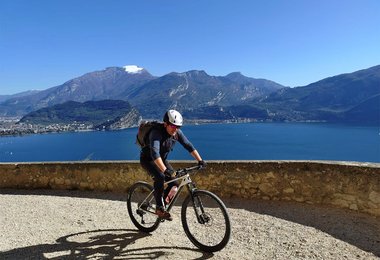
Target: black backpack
<point>144,129</point>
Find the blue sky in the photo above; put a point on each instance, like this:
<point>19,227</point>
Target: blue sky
<point>44,43</point>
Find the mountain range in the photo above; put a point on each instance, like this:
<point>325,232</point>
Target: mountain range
<point>351,97</point>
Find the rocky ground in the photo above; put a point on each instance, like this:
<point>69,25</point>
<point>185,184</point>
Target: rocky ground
<point>48,224</point>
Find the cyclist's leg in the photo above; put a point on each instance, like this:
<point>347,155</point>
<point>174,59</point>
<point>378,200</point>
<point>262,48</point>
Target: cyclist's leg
<point>170,185</point>
<point>158,179</point>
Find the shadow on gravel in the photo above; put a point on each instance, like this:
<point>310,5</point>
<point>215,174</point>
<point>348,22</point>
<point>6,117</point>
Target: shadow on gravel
<point>100,244</point>
<point>357,229</point>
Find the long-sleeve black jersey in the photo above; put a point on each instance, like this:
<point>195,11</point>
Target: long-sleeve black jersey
<point>161,143</point>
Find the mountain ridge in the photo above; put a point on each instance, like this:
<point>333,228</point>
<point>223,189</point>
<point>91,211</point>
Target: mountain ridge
<point>232,97</point>
<point>331,97</point>
<point>148,93</point>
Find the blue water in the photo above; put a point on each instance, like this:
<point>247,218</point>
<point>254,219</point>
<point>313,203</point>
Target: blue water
<point>254,141</point>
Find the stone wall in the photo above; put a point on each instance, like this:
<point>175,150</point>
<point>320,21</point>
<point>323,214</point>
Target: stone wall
<point>354,186</point>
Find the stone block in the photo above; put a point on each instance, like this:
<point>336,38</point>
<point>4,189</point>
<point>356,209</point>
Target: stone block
<point>374,197</point>
<point>59,181</point>
<point>288,190</point>
<point>341,203</point>
<point>83,185</point>
<point>346,197</point>
<point>354,207</point>
<point>268,189</point>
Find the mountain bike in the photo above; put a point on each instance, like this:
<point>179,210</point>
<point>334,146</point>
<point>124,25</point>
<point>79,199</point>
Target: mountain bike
<point>204,216</point>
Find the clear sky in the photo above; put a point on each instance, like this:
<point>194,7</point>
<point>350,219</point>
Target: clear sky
<point>44,43</point>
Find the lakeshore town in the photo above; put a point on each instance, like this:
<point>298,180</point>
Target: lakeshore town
<point>10,126</point>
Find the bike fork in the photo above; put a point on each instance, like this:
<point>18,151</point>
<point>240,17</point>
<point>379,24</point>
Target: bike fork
<point>197,205</point>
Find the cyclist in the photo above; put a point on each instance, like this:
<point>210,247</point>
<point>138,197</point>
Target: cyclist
<point>153,158</point>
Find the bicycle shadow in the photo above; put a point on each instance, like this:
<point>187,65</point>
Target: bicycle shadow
<point>358,229</point>
<point>100,244</point>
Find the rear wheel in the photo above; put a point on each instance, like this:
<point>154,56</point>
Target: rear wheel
<point>206,221</point>
<point>141,207</point>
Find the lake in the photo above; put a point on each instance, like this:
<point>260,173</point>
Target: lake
<point>250,141</point>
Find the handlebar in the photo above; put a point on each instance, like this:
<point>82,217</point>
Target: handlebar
<point>184,171</point>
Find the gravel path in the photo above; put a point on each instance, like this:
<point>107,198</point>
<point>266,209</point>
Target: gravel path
<point>49,224</point>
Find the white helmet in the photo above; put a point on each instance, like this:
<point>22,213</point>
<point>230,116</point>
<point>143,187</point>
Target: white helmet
<point>173,117</point>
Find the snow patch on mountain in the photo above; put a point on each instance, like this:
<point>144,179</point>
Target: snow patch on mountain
<point>133,69</point>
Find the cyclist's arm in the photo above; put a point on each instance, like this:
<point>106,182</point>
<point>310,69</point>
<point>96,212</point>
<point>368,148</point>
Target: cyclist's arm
<point>154,141</point>
<point>185,142</point>
<point>155,138</point>
<point>188,146</point>
<point>196,155</point>
<point>160,164</point>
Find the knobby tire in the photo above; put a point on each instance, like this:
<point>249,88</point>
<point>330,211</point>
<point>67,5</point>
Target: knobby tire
<point>136,195</point>
<point>218,221</point>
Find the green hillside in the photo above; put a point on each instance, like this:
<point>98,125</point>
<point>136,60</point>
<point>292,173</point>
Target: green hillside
<point>91,112</point>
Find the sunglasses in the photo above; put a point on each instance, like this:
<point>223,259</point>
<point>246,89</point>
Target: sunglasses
<point>174,126</point>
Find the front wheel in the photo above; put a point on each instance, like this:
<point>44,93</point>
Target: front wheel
<point>141,207</point>
<point>205,221</point>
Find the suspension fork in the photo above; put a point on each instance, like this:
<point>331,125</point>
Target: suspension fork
<point>197,203</point>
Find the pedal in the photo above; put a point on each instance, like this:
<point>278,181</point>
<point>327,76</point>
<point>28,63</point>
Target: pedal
<point>140,212</point>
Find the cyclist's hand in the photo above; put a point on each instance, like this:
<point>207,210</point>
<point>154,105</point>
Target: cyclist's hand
<point>202,163</point>
<point>169,173</point>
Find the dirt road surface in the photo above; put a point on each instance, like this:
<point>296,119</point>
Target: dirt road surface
<point>50,224</point>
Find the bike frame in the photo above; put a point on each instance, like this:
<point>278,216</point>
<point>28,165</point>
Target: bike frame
<point>184,179</point>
